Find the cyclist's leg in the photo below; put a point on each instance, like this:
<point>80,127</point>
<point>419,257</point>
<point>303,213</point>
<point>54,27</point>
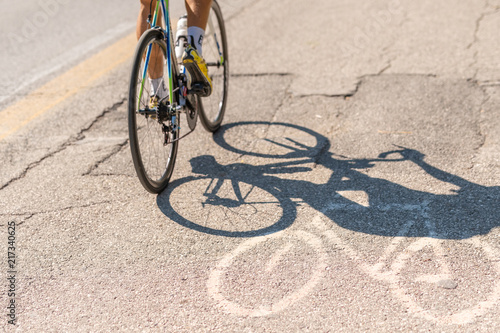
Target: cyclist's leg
<point>142,23</point>
<point>155,68</point>
<point>197,12</point>
<point>211,109</point>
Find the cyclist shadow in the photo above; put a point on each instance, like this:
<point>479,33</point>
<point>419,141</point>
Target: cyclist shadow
<point>390,210</point>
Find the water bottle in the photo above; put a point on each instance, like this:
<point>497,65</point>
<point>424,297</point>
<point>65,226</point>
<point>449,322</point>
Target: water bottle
<point>181,37</point>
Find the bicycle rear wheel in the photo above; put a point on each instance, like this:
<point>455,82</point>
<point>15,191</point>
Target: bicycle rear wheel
<point>151,129</point>
<point>212,108</point>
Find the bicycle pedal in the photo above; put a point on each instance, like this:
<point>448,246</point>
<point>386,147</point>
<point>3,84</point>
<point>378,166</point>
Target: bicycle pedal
<point>199,89</point>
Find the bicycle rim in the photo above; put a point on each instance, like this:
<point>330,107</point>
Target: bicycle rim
<point>153,150</point>
<point>215,53</point>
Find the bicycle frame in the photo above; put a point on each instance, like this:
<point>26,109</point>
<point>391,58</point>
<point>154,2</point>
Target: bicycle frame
<point>168,36</point>
<point>172,65</point>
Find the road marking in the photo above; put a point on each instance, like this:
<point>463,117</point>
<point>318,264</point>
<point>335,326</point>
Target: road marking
<point>216,285</point>
<point>393,275</point>
<point>45,98</point>
<point>359,197</point>
<point>277,257</point>
<point>72,56</point>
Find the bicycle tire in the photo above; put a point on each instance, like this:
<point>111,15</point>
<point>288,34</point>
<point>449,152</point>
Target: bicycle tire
<point>153,159</point>
<point>212,108</point>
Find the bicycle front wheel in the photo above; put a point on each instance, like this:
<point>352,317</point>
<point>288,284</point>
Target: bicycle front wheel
<point>151,130</point>
<point>212,108</point>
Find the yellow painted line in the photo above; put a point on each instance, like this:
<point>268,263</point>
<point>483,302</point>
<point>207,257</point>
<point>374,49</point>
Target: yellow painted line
<point>45,98</point>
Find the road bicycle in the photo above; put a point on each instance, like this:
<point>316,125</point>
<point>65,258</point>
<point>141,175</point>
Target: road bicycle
<point>155,128</point>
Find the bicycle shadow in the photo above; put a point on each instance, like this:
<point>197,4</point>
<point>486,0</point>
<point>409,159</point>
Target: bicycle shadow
<point>389,211</point>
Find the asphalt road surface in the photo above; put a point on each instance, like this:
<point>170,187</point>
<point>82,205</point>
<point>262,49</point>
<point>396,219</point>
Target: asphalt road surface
<point>354,185</point>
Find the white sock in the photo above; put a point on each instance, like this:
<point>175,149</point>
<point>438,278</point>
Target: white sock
<point>196,35</point>
<point>158,88</point>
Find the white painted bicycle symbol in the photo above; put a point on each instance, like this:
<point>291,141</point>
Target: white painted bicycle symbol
<point>390,268</point>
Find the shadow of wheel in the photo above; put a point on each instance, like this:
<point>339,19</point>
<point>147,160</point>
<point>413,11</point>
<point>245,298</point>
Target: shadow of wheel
<point>292,144</point>
<point>264,210</point>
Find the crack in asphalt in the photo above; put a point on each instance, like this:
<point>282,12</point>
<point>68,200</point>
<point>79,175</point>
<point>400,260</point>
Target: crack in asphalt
<point>480,122</point>
<point>118,148</point>
<point>108,174</point>
<point>34,164</point>
<point>486,12</point>
<point>75,138</point>
<point>278,107</point>
<point>389,65</point>
<point>29,215</point>
<point>360,82</point>
<point>240,11</point>
<point>114,107</point>
<point>488,83</point>
<point>286,95</point>
<point>262,74</point>
<point>344,96</point>
<point>24,218</point>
